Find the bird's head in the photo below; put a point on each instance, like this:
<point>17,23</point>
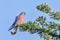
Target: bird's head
<point>22,13</point>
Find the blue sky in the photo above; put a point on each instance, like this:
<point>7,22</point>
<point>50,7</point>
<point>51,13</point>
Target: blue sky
<point>9,9</point>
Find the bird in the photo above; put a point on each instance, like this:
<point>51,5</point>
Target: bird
<point>18,21</point>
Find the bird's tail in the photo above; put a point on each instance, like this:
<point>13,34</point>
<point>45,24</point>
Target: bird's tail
<point>13,29</point>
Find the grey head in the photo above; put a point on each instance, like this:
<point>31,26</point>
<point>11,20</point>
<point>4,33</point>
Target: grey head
<point>22,13</point>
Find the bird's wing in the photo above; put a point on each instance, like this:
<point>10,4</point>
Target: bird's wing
<point>13,25</point>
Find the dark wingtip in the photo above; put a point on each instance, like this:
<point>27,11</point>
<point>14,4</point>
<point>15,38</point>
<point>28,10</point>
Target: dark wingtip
<point>9,30</point>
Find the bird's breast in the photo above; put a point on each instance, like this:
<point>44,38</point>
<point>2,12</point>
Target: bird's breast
<point>20,21</point>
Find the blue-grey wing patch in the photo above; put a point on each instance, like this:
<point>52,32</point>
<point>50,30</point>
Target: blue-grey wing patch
<point>13,25</point>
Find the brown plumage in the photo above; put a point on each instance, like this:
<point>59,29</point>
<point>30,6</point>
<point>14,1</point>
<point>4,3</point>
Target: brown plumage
<point>18,20</point>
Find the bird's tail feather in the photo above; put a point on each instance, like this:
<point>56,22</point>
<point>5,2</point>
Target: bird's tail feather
<point>14,30</point>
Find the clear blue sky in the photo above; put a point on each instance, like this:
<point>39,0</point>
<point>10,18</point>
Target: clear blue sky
<point>9,9</point>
